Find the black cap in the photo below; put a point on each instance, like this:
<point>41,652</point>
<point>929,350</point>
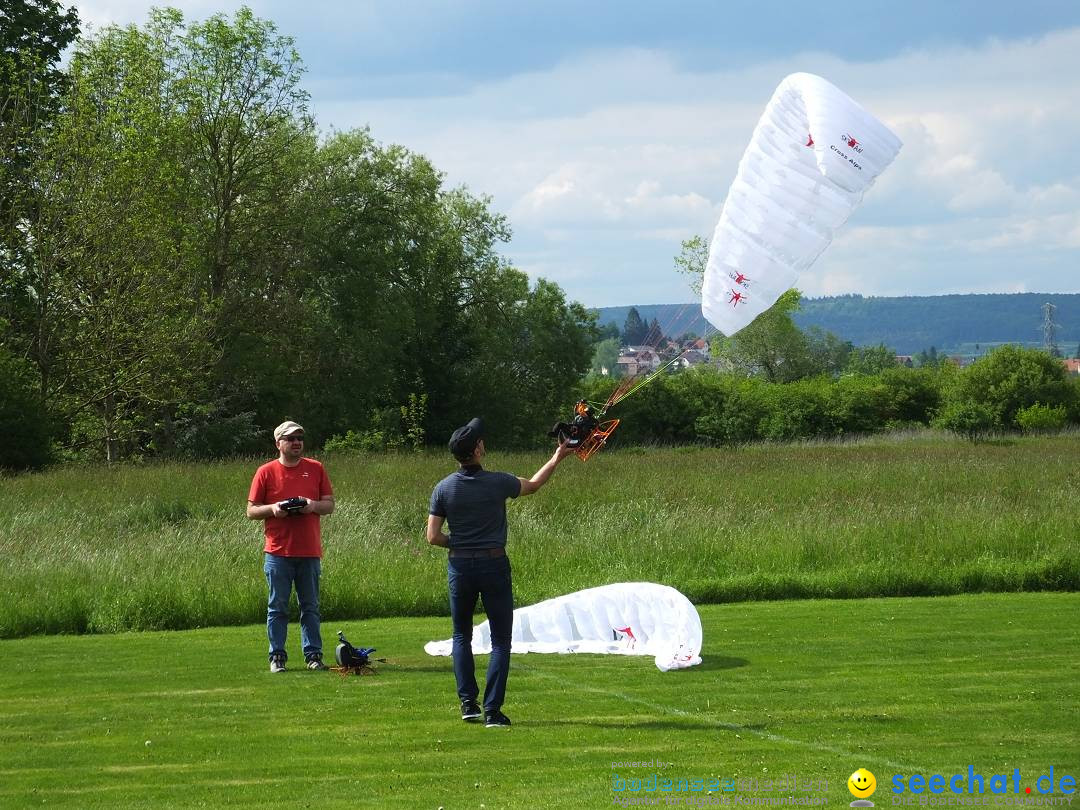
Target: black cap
<point>464,439</point>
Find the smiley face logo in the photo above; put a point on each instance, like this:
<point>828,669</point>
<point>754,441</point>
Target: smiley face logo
<point>862,784</point>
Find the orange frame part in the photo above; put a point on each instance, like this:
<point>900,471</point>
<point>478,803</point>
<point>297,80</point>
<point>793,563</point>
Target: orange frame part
<point>597,439</point>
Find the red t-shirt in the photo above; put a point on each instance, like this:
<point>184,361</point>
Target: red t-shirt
<point>296,535</point>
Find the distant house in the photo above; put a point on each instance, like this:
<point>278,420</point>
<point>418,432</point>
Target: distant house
<point>904,360</point>
<point>698,346</point>
<point>961,360</point>
<point>1072,365</point>
<point>670,346</point>
<point>691,359</point>
<point>627,366</point>
<point>638,359</point>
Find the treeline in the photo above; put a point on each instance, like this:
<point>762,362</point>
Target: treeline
<point>186,261</point>
<point>955,324</point>
<point>1010,389</point>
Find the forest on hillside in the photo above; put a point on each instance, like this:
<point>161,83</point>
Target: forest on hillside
<point>953,324</point>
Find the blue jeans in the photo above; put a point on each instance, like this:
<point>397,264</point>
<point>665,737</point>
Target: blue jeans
<point>282,573</point>
<point>487,577</point>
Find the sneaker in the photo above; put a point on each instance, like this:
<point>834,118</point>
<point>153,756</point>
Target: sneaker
<point>470,710</point>
<point>315,662</point>
<point>496,719</point>
<point>277,663</point>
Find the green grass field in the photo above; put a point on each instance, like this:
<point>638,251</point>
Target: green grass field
<point>815,688</point>
<point>167,546</point>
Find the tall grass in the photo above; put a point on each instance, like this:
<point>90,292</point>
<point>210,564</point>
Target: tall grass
<point>168,547</point>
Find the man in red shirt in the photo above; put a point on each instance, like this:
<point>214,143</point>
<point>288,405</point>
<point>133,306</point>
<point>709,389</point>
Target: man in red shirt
<point>290,494</point>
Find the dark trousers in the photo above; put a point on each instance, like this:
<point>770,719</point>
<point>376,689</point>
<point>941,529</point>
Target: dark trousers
<point>488,578</point>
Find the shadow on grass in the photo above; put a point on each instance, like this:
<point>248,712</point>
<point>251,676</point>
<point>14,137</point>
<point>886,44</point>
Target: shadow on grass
<point>709,662</point>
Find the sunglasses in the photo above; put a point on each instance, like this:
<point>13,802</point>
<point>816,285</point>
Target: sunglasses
<point>293,438</point>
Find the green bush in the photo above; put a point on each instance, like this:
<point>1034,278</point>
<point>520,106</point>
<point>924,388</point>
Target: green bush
<point>1012,378</point>
<point>1039,418</point>
<point>368,441</point>
<point>796,410</point>
<point>734,417</point>
<point>1072,407</point>
<point>972,420</point>
<point>914,393</point>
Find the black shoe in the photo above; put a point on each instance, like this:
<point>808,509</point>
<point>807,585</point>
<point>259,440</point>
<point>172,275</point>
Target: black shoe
<point>496,719</point>
<point>470,710</point>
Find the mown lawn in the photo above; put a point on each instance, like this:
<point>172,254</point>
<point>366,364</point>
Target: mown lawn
<point>815,688</point>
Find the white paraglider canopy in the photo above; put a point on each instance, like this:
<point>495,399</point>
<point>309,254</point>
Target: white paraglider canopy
<point>626,618</point>
<point>813,154</point>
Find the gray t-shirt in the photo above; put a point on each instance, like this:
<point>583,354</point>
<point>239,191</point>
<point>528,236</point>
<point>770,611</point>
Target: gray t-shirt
<point>473,501</point>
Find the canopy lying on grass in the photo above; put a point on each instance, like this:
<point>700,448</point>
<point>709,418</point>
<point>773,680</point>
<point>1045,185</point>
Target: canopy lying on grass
<point>627,618</point>
<point>812,155</point>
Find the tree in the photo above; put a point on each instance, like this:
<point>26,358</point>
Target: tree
<point>608,330</point>
<point>634,329</point>
<point>119,335</point>
<point>774,348</point>
<point>870,359</point>
<point>250,151</point>
<point>33,34</point>
<point>166,229</point>
<point>827,354</point>
<point>548,348</point>
<point>250,135</point>
<point>692,260</point>
<point>1012,378</point>
<point>929,358</point>
<point>654,335</point>
<point>409,296</point>
<point>606,357</point>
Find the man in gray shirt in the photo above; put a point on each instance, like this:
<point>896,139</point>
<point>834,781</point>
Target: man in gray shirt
<point>473,500</point>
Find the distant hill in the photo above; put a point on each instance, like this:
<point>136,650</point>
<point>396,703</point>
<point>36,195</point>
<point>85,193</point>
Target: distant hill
<point>954,324</point>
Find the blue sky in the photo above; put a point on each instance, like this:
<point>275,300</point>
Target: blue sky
<point>609,132</point>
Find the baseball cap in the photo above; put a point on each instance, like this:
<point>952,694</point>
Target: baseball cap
<point>285,428</point>
<point>464,439</point>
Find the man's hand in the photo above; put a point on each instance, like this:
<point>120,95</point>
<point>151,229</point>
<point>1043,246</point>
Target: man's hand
<point>564,449</point>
